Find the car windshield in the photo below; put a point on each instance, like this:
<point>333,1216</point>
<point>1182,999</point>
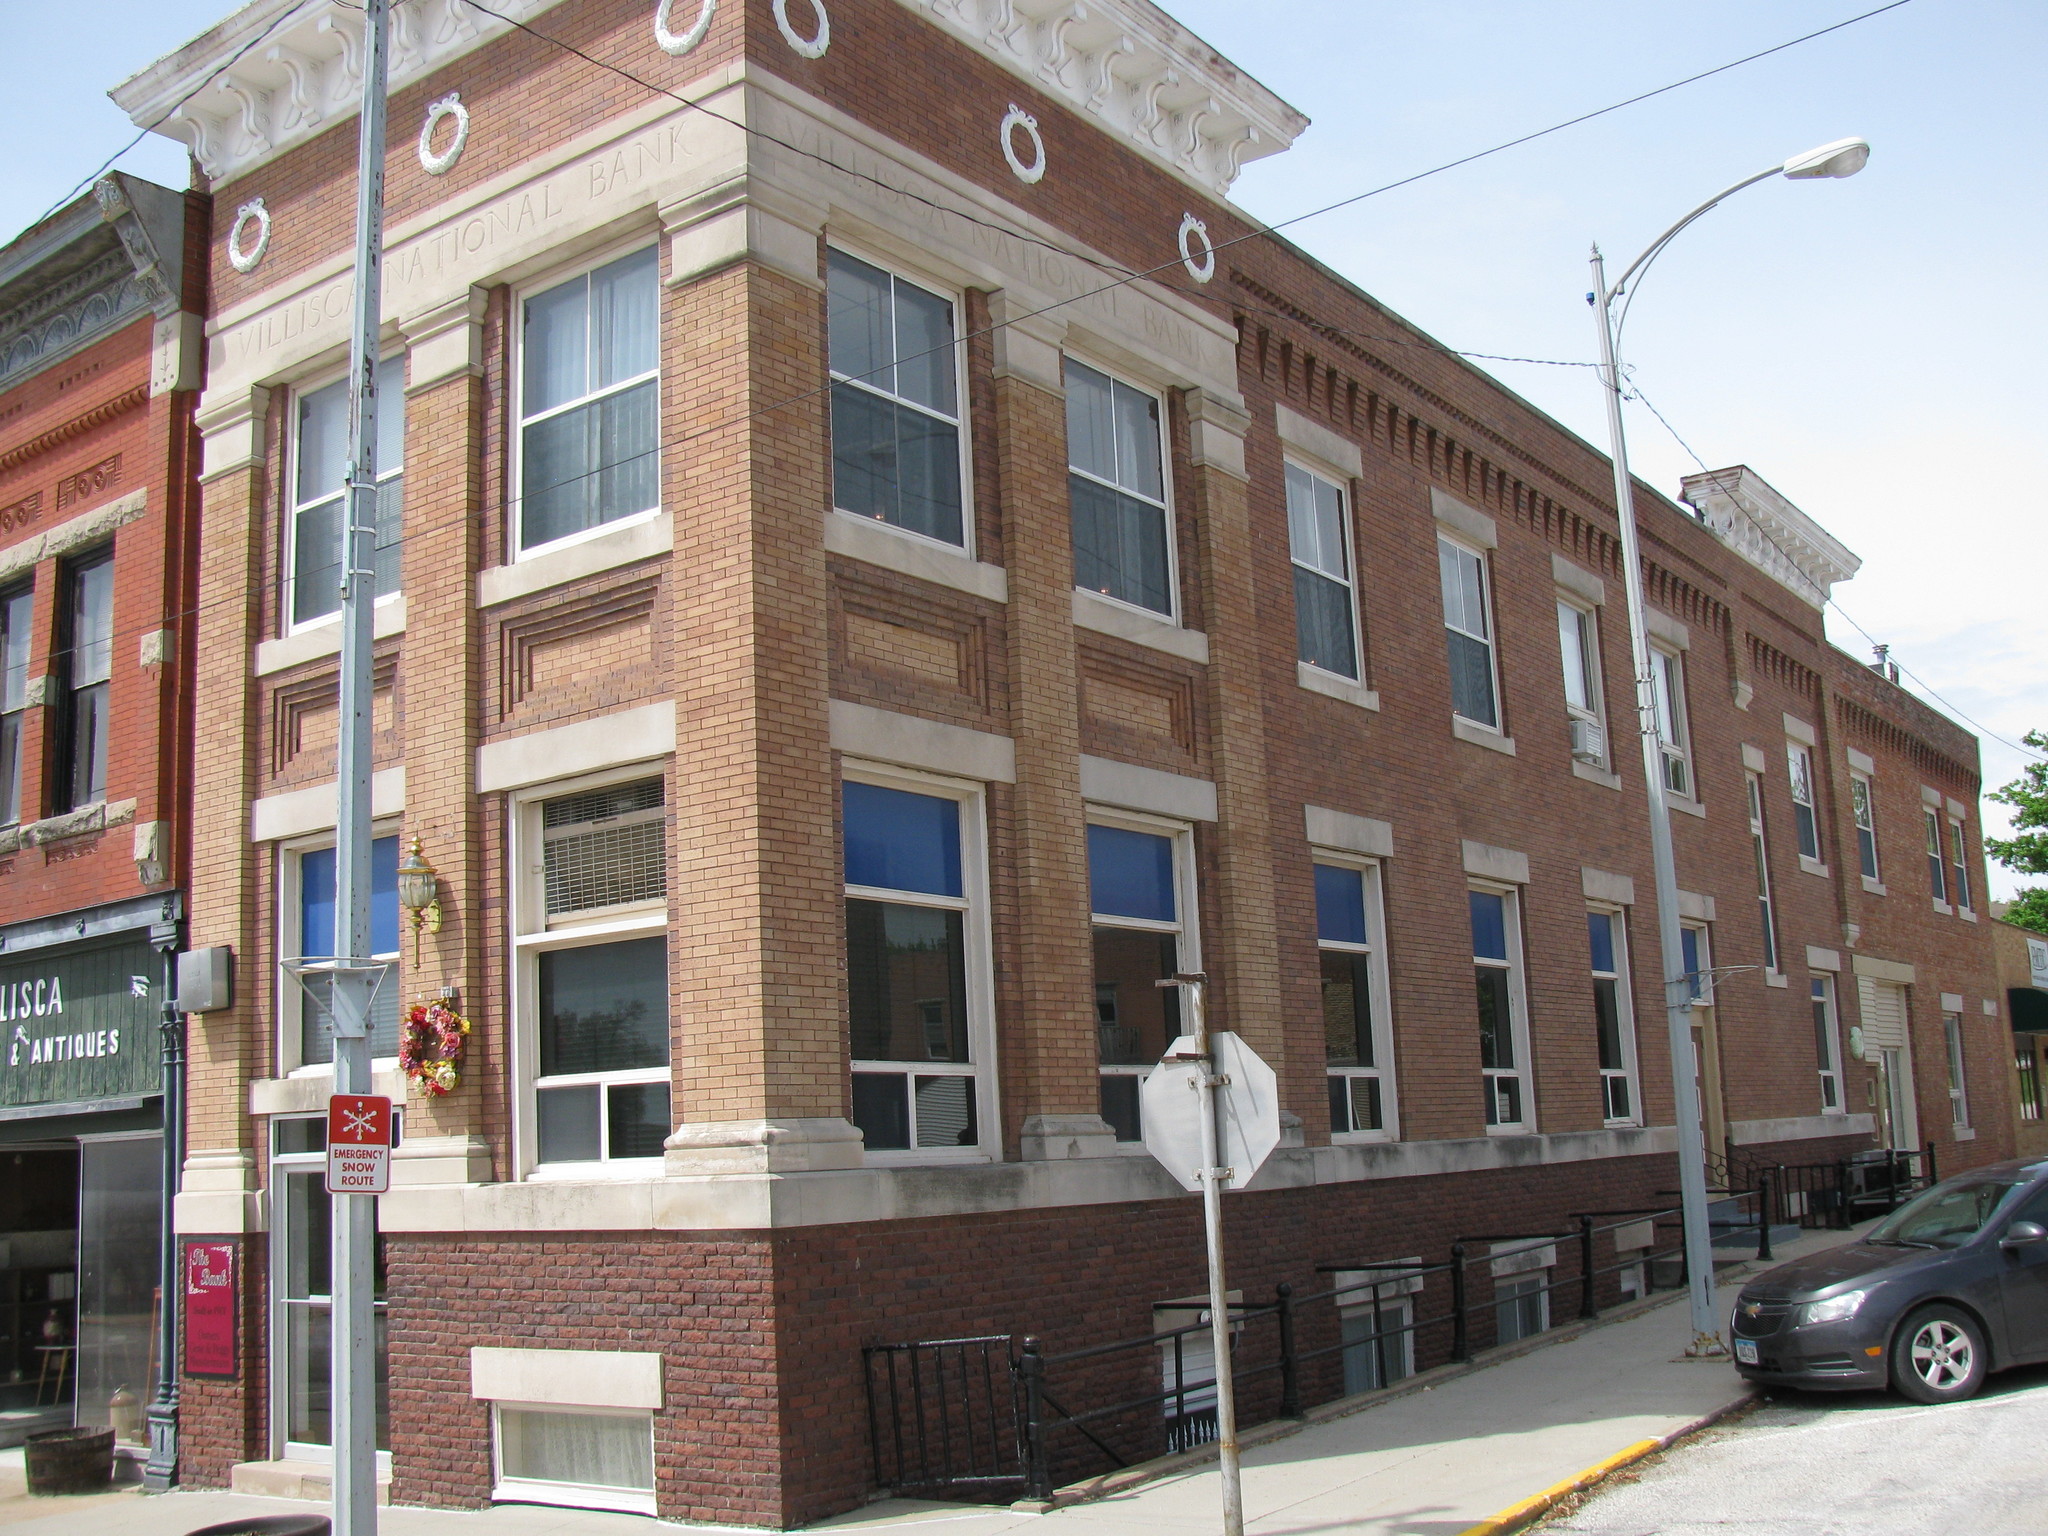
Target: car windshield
<point>1946,1216</point>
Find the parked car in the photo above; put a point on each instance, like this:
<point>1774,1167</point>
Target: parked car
<point>1950,1287</point>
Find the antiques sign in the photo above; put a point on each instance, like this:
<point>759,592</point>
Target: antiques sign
<point>80,1024</point>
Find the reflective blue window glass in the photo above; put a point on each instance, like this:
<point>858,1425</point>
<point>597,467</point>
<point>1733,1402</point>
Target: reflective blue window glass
<point>901,841</point>
<point>1130,874</point>
<point>1489,925</point>
<point>316,899</point>
<point>1689,946</point>
<point>1340,904</point>
<point>1600,929</point>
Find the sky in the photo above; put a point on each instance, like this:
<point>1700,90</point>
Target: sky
<point>1868,346</point>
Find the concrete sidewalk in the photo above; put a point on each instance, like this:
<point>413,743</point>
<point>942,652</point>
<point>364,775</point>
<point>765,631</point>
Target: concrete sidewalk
<point>1436,1461</point>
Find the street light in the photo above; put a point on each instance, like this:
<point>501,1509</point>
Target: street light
<point>1844,157</point>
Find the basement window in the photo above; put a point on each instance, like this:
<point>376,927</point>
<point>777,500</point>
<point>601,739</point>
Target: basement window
<point>576,1457</point>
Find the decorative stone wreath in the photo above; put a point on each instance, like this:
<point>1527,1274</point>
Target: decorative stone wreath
<point>239,259</point>
<point>1192,228</point>
<point>1013,120</point>
<point>680,43</point>
<point>448,106</point>
<point>809,47</point>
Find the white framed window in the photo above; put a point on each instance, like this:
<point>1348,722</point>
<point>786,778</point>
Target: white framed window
<point>17,632</point>
<point>1325,592</point>
<point>302,1299</point>
<point>1693,946</point>
<point>896,362</point>
<point>1187,1368</point>
<point>1958,1091</point>
<point>1379,1344</point>
<point>1521,1306</point>
<point>84,665</point>
<point>1760,852</point>
<point>919,974</point>
<point>1805,814</point>
<point>1357,1033</point>
<point>318,494</point>
<point>583,1458</point>
<point>306,927</point>
<point>1503,1014</point>
<point>1578,643</point>
<point>1827,1044</point>
<point>1959,864</point>
<point>1141,895</point>
<point>1674,737</point>
<point>1468,632</point>
<point>1614,1020</point>
<point>591,993</point>
<point>589,400</point>
<point>1116,482</point>
<point>1937,867</point>
<point>1866,826</point>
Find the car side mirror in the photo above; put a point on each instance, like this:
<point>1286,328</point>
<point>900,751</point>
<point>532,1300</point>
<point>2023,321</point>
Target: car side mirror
<point>2021,1233</point>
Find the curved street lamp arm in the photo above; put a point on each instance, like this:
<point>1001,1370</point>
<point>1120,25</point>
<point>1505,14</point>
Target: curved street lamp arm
<point>1666,238</point>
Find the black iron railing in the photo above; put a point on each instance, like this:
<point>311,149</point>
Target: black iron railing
<point>1835,1196</point>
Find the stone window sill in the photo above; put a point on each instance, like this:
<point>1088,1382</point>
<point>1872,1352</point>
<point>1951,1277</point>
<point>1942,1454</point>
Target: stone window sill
<point>1593,773</point>
<point>1686,804</point>
<point>908,554</point>
<point>1332,686</point>
<point>1106,616</point>
<point>1875,887</point>
<point>1482,736</point>
<point>83,822</point>
<point>1813,866</point>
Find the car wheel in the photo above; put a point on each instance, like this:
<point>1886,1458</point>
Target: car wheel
<point>1938,1356</point>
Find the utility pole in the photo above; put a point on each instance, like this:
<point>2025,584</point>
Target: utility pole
<point>353,977</point>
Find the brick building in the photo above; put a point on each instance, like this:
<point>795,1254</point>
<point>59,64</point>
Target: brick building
<point>2022,957</point>
<point>846,637</point>
<point>100,357</point>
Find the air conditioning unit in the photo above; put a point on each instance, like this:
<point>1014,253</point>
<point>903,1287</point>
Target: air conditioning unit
<point>1589,742</point>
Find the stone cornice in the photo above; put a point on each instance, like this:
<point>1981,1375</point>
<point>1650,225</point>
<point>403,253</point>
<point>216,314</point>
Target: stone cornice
<point>1770,533</point>
<point>1138,71</point>
<point>302,72</point>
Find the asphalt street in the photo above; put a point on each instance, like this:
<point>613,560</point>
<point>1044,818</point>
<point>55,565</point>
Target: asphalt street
<point>1857,1464</point>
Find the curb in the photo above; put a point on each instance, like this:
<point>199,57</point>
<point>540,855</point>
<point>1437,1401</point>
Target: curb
<point>1521,1514</point>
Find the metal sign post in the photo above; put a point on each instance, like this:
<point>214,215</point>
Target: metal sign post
<point>354,976</point>
<point>1237,1117</point>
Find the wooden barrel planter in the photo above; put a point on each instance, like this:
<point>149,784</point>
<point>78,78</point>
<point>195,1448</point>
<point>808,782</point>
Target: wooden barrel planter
<point>69,1460</point>
<point>269,1525</point>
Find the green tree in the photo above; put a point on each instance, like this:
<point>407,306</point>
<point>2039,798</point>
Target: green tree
<point>2026,852</point>
<point>2029,909</point>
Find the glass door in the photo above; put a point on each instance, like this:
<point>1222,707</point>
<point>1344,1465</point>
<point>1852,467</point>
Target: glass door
<point>302,1315</point>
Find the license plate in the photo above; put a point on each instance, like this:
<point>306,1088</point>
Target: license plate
<point>1745,1351</point>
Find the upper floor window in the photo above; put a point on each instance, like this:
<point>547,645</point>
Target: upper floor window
<point>1116,481</point>
<point>88,642</point>
<point>917,980</point>
<point>895,401</point>
<point>1959,863</point>
<point>1827,1044</point>
<point>1674,739</point>
<point>1468,629</point>
<point>1805,818</point>
<point>1325,603</point>
<point>1760,851</point>
<point>1503,1021</point>
<point>589,400</point>
<point>1613,1012</point>
<point>319,514</point>
<point>1958,1090</point>
<point>310,885</point>
<point>1866,825</point>
<point>592,956</point>
<point>1578,640</point>
<point>17,625</point>
<point>1357,1044</point>
<point>1135,874</point>
<point>1937,869</point>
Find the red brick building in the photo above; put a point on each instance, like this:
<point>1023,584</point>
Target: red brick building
<point>846,636</point>
<point>100,360</point>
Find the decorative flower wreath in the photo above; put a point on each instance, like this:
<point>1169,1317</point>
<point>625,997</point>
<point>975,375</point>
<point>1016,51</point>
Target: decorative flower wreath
<point>430,1045</point>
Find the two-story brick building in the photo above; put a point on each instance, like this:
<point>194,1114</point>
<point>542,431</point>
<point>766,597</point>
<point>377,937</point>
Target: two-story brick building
<point>100,358</point>
<point>885,564</point>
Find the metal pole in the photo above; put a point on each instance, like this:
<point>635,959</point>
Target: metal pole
<point>161,1470</point>
<point>355,1216</point>
<point>1219,1289</point>
<point>1685,1093</point>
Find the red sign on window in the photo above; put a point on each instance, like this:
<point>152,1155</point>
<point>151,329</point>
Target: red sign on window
<point>210,1307</point>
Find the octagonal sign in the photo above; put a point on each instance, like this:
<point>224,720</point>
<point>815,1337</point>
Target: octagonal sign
<point>1247,1111</point>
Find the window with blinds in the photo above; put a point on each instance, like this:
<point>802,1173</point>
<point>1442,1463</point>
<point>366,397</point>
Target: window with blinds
<point>605,848</point>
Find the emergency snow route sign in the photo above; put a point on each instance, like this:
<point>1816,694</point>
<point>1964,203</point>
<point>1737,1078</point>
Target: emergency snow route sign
<point>358,1144</point>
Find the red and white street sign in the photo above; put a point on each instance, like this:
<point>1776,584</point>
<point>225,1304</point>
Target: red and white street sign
<point>358,1144</point>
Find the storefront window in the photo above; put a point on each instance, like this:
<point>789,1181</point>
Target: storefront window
<point>120,1222</point>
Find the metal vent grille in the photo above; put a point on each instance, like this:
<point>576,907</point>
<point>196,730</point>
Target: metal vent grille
<point>604,847</point>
